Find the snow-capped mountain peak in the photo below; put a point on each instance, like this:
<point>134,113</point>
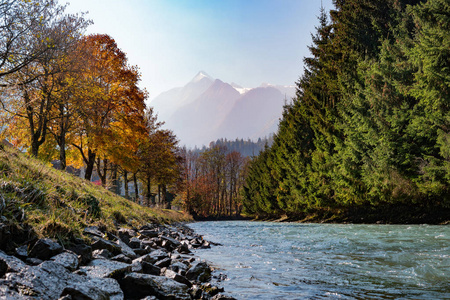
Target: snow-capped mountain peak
<point>200,75</point>
<point>206,109</point>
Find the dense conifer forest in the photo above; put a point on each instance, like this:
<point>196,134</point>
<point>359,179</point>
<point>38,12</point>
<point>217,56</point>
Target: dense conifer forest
<point>367,136</point>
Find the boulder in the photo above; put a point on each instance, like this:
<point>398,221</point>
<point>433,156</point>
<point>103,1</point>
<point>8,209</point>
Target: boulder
<point>84,251</point>
<point>101,253</point>
<point>184,249</point>
<point>177,277</point>
<point>138,286</point>
<point>169,243</point>
<point>199,271</point>
<point>148,268</point>
<point>67,259</point>
<point>125,249</point>
<point>33,261</point>
<point>147,258</point>
<point>97,289</point>
<point>45,248</point>
<point>49,280</point>
<point>108,245</point>
<point>13,264</point>
<point>222,297</point>
<point>149,233</point>
<point>134,242</point>
<point>159,254</point>
<point>93,231</point>
<point>122,258</point>
<point>178,267</point>
<point>103,268</point>
<point>22,252</point>
<point>141,252</point>
<point>126,234</point>
<point>164,263</point>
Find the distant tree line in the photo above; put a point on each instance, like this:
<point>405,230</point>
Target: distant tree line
<point>247,148</point>
<point>74,97</point>
<point>369,129</point>
<point>212,181</point>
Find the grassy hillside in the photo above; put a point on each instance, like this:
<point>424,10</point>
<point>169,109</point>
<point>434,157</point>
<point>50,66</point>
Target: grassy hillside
<point>59,205</point>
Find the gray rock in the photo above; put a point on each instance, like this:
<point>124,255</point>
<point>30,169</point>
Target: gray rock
<point>147,258</point>
<point>45,248</point>
<point>138,286</point>
<point>122,258</point>
<point>103,268</point>
<point>33,261</point>
<point>3,267</point>
<point>196,292</point>
<point>134,242</point>
<point>126,234</point>
<point>148,242</point>
<point>159,254</point>
<point>170,240</point>
<point>222,297</point>
<point>199,271</point>
<point>184,249</point>
<point>22,252</point>
<point>137,267</point>
<point>178,267</point>
<point>13,263</point>
<point>84,251</point>
<point>108,245</point>
<point>177,277</point>
<point>148,268</point>
<point>49,280</point>
<point>97,289</point>
<point>101,253</point>
<point>67,259</point>
<point>93,231</point>
<point>206,245</point>
<point>126,250</point>
<point>164,263</point>
<point>140,251</point>
<point>149,233</point>
<point>7,293</point>
<point>148,227</point>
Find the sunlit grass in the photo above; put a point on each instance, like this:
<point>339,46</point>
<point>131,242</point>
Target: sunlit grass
<point>60,205</point>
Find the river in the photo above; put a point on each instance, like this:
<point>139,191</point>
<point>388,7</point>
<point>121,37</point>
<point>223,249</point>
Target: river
<point>265,260</point>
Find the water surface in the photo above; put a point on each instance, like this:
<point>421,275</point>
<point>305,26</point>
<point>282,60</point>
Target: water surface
<point>264,260</point>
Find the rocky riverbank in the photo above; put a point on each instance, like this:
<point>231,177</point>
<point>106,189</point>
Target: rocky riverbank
<point>152,262</point>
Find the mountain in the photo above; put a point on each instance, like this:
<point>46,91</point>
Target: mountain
<point>168,102</point>
<point>207,109</point>
<point>254,115</point>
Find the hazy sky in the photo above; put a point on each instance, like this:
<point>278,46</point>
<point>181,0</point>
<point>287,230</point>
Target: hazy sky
<point>243,41</point>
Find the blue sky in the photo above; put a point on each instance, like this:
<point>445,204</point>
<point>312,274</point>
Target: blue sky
<point>243,41</point>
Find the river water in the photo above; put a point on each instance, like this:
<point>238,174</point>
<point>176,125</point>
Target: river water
<point>264,260</point>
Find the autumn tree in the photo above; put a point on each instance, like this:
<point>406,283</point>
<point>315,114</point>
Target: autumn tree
<point>107,87</point>
<point>23,24</point>
<point>36,83</point>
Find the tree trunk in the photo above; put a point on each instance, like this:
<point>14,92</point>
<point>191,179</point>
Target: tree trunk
<point>149,191</point>
<point>102,173</point>
<point>136,189</point>
<point>115,188</point>
<point>163,196</point>
<point>89,165</point>
<point>62,152</point>
<point>159,194</point>
<point>125,184</point>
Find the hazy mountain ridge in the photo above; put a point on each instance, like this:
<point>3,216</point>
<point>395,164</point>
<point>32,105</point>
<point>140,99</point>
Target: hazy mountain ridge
<point>205,110</point>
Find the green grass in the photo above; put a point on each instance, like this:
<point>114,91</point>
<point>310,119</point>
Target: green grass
<point>60,205</point>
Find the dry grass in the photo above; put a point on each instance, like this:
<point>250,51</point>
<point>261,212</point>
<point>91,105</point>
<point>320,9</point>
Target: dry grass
<point>57,204</point>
